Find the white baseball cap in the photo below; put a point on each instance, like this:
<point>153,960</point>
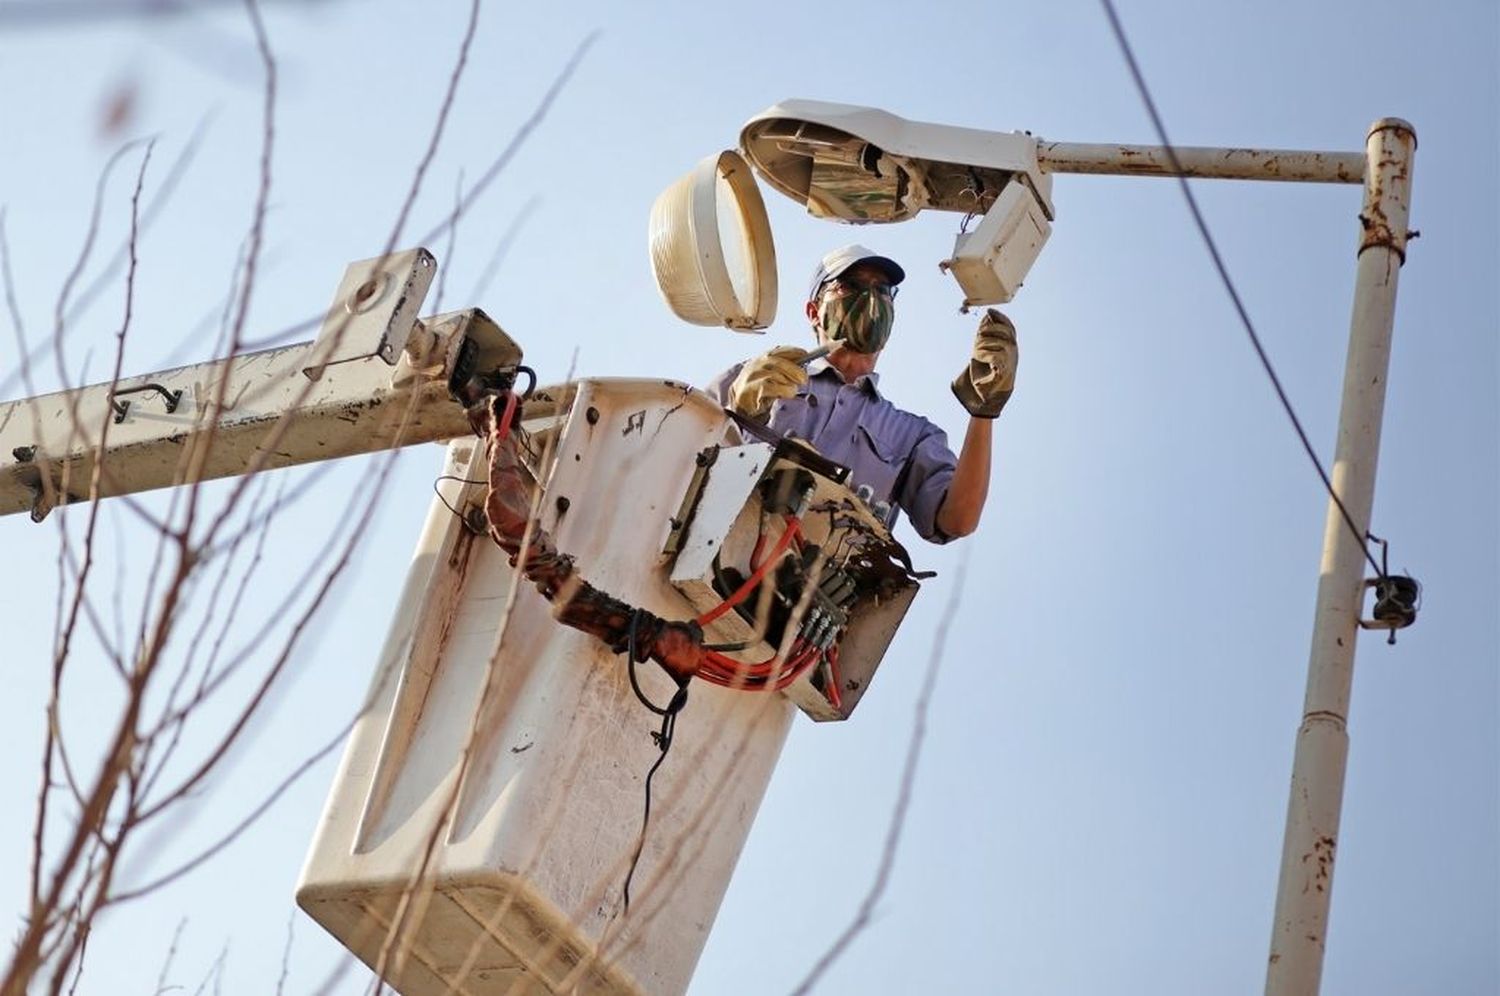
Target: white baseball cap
<point>835,263</point>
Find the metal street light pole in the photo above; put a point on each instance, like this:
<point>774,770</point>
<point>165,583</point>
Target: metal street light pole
<point>1317,787</point>
<point>1317,791</point>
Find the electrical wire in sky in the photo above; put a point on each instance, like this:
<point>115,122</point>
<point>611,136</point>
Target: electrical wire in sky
<point>1360,535</point>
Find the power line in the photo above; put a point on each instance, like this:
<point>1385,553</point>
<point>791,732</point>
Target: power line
<point>1239,306</point>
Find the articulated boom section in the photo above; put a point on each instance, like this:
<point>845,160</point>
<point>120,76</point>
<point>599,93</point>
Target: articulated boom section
<point>358,388</point>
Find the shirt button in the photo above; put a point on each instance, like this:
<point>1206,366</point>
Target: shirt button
<point>812,401</point>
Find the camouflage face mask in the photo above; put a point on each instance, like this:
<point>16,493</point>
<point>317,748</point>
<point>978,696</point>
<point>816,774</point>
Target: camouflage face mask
<point>861,320</point>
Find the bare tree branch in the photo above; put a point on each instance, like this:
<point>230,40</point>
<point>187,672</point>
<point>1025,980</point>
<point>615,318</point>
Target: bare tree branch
<point>538,114</point>
<point>215,971</point>
<point>239,828</point>
<point>81,582</point>
<point>286,954</point>
<point>95,809</point>
<point>502,249</point>
<point>23,369</point>
<point>74,879</point>
<point>903,796</point>
<point>437,131</point>
<point>164,192</point>
<point>59,321</point>
<point>166,965</point>
<point>263,193</point>
<point>442,274</point>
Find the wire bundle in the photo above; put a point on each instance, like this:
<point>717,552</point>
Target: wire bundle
<point>773,672</point>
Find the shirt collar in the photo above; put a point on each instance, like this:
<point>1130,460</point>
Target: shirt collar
<point>869,383</point>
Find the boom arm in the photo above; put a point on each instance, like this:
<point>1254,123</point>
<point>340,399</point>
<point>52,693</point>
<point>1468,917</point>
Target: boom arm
<point>350,391</point>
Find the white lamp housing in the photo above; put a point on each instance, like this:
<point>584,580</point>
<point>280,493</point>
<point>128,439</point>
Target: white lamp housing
<point>705,277</point>
<point>990,262</point>
<point>863,165</point>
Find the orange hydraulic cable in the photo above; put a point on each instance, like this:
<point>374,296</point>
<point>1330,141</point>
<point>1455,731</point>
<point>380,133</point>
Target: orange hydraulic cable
<point>798,667</point>
<point>793,528</point>
<point>724,670</point>
<point>760,544</point>
<point>503,428</point>
<point>834,698</point>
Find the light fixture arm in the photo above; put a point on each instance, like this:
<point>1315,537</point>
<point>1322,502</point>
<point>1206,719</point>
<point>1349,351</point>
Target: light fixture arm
<point>1293,166</point>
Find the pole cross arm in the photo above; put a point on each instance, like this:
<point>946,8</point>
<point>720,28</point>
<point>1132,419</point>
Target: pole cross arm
<point>244,414</point>
<point>1287,165</point>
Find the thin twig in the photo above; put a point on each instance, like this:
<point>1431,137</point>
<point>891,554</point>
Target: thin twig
<point>438,126</point>
<point>92,812</point>
<point>81,582</point>
<point>286,954</point>
<point>214,970</point>
<point>258,695</point>
<point>101,280</point>
<point>502,249</point>
<point>166,965</point>
<point>173,717</point>
<point>24,370</point>
<point>247,290</point>
<point>447,262</point>
<point>239,828</point>
<point>538,114</point>
<point>59,320</point>
<point>903,797</point>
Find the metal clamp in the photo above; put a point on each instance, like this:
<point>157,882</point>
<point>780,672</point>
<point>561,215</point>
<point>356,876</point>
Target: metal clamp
<point>1397,599</point>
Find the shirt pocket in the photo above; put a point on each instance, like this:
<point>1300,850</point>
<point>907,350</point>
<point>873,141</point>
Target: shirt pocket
<point>876,463</point>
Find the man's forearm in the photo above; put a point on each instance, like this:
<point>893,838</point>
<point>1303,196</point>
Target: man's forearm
<point>960,511</point>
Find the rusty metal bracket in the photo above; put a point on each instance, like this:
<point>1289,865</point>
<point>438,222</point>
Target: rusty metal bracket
<point>172,399</point>
<point>374,310</point>
<point>1397,599</point>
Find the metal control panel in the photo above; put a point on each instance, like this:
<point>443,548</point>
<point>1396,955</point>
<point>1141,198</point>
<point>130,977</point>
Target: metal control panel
<point>817,621</point>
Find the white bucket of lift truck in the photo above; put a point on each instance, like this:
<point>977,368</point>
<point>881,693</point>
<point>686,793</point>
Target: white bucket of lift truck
<point>504,874</point>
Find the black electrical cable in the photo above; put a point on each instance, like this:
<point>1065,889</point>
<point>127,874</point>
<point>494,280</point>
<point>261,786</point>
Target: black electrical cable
<point>727,647</point>
<point>662,737</point>
<point>1213,251</point>
<point>635,685</point>
<point>451,477</point>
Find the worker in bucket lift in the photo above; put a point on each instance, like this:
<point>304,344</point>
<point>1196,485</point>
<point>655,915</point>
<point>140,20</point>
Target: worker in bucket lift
<point>833,401</point>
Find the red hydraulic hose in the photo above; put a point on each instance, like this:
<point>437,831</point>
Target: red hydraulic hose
<point>834,698</point>
<point>793,528</point>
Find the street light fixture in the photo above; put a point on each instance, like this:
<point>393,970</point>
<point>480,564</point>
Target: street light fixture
<point>860,165</point>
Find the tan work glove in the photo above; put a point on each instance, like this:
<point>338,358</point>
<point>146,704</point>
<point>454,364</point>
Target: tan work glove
<point>766,378</point>
<point>985,385</point>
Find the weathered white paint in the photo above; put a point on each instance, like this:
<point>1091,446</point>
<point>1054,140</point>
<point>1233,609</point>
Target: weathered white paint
<point>530,837</point>
<point>1317,791</point>
<point>255,411</point>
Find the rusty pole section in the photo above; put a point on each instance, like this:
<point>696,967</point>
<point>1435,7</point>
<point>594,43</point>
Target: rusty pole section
<point>1223,164</point>
<point>1317,790</point>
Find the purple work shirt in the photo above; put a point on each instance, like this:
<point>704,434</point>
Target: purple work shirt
<point>904,458</point>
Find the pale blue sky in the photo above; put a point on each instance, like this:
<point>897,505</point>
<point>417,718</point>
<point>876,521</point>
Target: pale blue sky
<point>1101,801</point>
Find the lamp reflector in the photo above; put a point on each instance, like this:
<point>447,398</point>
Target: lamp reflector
<point>711,247</point>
